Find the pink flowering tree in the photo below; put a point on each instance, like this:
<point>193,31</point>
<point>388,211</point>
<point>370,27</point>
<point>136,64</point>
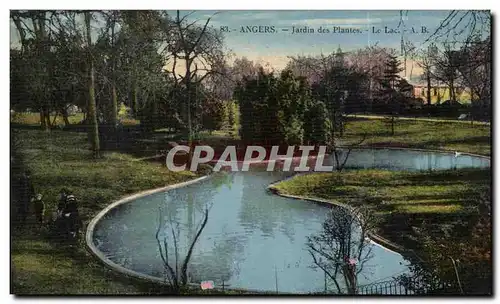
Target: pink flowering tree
<point>341,249</point>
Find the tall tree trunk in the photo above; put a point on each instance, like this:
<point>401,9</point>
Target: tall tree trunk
<point>64,113</point>
<point>43,121</point>
<point>114,106</point>
<point>452,90</point>
<point>114,97</point>
<point>188,104</point>
<point>135,102</point>
<point>428,74</point>
<point>155,121</point>
<point>20,29</point>
<point>38,21</point>
<point>92,111</point>
<point>47,118</point>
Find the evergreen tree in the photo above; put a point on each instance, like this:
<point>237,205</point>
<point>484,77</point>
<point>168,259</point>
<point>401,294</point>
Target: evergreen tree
<point>316,124</point>
<point>390,88</point>
<point>258,108</point>
<point>213,114</point>
<point>272,109</point>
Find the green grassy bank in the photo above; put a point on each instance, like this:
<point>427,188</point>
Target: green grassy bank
<point>60,159</point>
<point>420,134</point>
<point>436,214</point>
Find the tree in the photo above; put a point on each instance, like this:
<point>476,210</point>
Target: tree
<point>213,114</point>
<point>334,82</point>
<point>272,108</point>
<point>475,70</point>
<point>446,62</point>
<point>341,89</point>
<point>391,86</point>
<point>198,49</point>
<point>243,68</point>
<point>337,152</point>
<point>111,51</point>
<point>462,26</point>
<point>342,249</point>
<point>316,124</point>
<point>370,62</point>
<point>92,111</point>
<point>35,46</point>
<point>177,271</point>
<point>259,109</point>
<point>426,63</point>
<point>293,94</point>
<point>307,66</point>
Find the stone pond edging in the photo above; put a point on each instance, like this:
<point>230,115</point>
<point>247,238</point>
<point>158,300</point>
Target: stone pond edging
<point>91,226</point>
<point>134,274</point>
<point>377,239</point>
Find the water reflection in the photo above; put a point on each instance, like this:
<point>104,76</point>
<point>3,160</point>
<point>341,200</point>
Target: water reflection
<point>252,238</point>
<point>395,159</point>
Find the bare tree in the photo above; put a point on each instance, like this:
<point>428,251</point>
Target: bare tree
<point>446,68</point>
<point>342,249</point>
<point>337,152</point>
<point>462,26</point>
<point>426,63</point>
<point>370,61</point>
<point>475,68</point>
<point>197,52</point>
<point>176,271</point>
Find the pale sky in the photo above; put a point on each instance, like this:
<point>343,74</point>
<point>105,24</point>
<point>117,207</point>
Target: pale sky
<point>274,48</point>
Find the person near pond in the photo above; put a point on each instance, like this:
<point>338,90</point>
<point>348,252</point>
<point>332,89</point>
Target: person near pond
<point>57,222</point>
<point>72,216</point>
<point>38,207</point>
<point>71,205</point>
<point>62,203</point>
<point>67,219</point>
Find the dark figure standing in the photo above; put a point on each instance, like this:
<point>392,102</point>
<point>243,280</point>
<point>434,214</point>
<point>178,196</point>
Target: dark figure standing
<point>62,201</point>
<point>67,222</point>
<point>39,207</point>
<point>71,205</point>
<point>72,217</point>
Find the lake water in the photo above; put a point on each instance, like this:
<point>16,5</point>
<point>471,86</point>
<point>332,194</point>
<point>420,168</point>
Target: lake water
<point>253,239</point>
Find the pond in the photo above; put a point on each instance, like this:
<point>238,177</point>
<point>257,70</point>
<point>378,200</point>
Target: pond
<point>253,239</point>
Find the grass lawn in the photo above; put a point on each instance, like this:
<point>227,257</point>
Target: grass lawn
<point>60,159</point>
<point>420,134</point>
<point>403,201</point>
<point>33,119</point>
<point>453,136</point>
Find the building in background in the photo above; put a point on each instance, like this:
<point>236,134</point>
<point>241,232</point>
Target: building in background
<point>440,93</point>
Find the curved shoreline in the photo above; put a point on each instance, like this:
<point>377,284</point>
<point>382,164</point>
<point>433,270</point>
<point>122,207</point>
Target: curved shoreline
<point>135,274</point>
<point>374,238</point>
<point>419,149</point>
<point>89,234</point>
<point>365,147</point>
